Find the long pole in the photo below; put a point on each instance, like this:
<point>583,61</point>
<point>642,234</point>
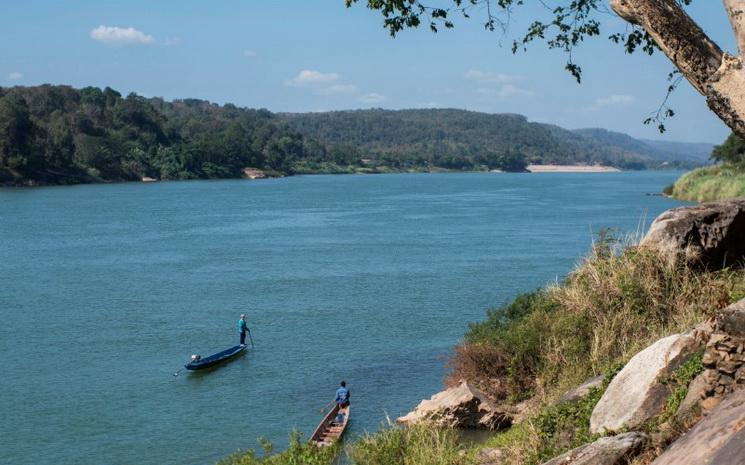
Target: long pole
<point>249,337</point>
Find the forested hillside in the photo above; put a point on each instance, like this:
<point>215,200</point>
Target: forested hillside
<point>61,135</point>
<point>681,153</point>
<point>458,139</point>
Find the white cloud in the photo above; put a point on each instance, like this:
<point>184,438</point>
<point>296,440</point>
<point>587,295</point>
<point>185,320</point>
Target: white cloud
<point>372,97</point>
<point>609,101</point>
<point>497,84</point>
<point>112,35</point>
<point>489,78</point>
<point>510,90</point>
<point>309,78</point>
<point>615,100</point>
<point>15,76</point>
<point>505,91</point>
<point>337,89</point>
<point>249,53</point>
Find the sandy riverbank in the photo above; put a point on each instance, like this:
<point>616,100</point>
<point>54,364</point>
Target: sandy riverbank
<point>571,169</point>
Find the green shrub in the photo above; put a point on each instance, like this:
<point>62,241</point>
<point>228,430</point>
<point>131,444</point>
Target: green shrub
<point>298,453</point>
<point>415,445</point>
<point>615,303</point>
<point>711,183</point>
<point>679,382</point>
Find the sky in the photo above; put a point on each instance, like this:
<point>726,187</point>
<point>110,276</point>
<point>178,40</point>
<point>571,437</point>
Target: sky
<point>317,55</point>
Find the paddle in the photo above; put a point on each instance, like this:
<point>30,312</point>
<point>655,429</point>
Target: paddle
<point>249,336</point>
<point>326,407</point>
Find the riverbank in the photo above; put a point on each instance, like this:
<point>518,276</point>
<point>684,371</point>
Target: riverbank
<point>572,169</point>
<point>708,184</point>
<point>634,359</point>
<point>309,169</point>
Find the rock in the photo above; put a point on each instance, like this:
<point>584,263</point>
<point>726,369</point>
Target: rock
<point>718,439</point>
<point>581,391</point>
<point>710,402</point>
<point>253,173</point>
<point>731,322</point>
<point>637,393</point>
<point>697,389</point>
<point>462,406</point>
<point>610,450</point>
<point>712,234</point>
<point>490,456</point>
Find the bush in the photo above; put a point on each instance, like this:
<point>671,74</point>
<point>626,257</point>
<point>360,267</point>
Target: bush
<point>615,303</point>
<point>711,183</point>
<point>298,453</point>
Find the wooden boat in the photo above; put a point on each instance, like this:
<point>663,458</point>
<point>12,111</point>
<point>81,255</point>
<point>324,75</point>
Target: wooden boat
<point>214,359</point>
<point>329,431</point>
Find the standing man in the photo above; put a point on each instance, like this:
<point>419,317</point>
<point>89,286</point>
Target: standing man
<point>242,328</point>
<point>342,395</point>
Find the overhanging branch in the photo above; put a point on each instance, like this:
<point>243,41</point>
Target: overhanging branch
<point>736,12</point>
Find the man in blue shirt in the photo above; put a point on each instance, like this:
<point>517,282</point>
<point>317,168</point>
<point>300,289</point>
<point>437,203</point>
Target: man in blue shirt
<point>242,328</point>
<point>342,395</point>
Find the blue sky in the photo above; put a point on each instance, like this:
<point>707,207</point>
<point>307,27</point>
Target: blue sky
<point>303,55</point>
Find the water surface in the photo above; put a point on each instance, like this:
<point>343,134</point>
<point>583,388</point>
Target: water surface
<point>106,290</point>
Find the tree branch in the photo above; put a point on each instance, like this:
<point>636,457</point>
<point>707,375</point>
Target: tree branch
<point>736,12</point>
<point>681,39</point>
<point>715,74</point>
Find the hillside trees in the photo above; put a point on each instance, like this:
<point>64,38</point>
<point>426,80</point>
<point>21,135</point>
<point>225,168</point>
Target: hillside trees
<point>57,134</point>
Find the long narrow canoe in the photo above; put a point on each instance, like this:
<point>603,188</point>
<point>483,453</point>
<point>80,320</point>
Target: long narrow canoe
<point>331,430</point>
<point>214,359</point>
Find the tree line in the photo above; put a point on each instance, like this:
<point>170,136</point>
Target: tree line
<point>59,135</point>
<point>62,135</point>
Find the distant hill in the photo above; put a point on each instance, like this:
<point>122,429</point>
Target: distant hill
<point>662,151</point>
<point>459,138</point>
<point>62,135</point>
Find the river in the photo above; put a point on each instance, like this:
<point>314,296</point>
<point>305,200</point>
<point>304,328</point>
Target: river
<point>106,290</point>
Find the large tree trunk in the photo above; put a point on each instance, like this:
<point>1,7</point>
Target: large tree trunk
<point>717,75</point>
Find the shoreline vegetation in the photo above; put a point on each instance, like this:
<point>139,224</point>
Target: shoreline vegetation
<point>617,301</point>
<point>57,135</point>
<point>725,180</point>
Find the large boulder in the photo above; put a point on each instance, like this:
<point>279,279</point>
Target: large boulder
<point>711,234</point>
<point>638,392</point>
<point>612,450</point>
<point>462,406</point>
<point>718,439</point>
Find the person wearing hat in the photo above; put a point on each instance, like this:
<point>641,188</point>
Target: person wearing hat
<point>242,328</point>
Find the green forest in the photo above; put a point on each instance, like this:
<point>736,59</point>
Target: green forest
<point>460,139</point>
<point>62,135</point>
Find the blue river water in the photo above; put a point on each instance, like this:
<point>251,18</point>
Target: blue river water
<point>106,290</point>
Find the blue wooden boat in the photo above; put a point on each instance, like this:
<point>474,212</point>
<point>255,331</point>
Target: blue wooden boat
<point>204,362</point>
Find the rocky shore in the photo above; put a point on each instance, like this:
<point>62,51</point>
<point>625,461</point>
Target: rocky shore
<point>632,422</point>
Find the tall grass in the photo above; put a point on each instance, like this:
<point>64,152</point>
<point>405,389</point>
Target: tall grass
<point>616,302</point>
<point>298,453</point>
<point>710,183</point>
<point>415,445</point>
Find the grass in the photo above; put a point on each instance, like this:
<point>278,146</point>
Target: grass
<point>710,183</point>
<point>615,303</point>
<point>298,453</point>
<point>415,445</point>
<point>555,429</point>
